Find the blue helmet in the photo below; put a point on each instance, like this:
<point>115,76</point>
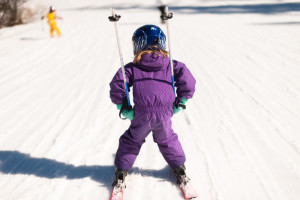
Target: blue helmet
<point>147,36</point>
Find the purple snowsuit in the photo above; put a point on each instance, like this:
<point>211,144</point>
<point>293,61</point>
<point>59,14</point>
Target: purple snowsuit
<point>153,98</point>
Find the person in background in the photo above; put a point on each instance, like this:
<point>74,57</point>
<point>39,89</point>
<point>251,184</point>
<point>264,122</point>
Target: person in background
<point>51,16</point>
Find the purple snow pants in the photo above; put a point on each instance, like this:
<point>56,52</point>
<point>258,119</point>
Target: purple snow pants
<point>161,126</point>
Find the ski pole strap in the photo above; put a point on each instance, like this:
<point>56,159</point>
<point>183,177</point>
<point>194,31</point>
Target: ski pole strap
<point>125,106</point>
<point>180,105</point>
<point>126,90</point>
<point>166,16</point>
<point>177,103</point>
<point>173,83</point>
<point>114,18</point>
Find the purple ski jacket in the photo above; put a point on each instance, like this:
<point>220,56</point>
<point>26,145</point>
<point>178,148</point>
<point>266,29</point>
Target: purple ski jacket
<point>152,84</point>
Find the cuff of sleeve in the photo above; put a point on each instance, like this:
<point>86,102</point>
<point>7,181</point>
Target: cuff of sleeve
<point>119,106</point>
<point>183,100</point>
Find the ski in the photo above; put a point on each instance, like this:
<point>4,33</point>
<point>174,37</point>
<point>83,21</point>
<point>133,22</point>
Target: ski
<point>184,183</point>
<point>118,185</point>
<point>118,191</point>
<point>187,190</point>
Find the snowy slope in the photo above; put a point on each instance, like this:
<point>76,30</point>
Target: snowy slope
<point>59,131</point>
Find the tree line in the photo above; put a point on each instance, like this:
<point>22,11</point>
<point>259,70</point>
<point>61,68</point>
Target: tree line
<point>11,12</point>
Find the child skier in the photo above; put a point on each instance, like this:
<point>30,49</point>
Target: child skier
<point>51,16</point>
<point>154,101</point>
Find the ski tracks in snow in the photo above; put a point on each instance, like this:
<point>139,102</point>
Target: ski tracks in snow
<point>241,112</point>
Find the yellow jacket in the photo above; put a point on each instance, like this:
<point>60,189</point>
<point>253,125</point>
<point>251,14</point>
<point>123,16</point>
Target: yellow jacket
<point>51,18</point>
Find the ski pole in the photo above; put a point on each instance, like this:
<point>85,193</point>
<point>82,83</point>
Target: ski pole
<point>42,22</point>
<point>165,17</point>
<point>114,18</point>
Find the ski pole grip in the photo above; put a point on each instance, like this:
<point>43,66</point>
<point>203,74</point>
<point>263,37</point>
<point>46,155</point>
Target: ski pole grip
<point>166,15</point>
<point>114,17</point>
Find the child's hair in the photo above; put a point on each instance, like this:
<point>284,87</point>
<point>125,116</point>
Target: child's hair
<point>152,49</point>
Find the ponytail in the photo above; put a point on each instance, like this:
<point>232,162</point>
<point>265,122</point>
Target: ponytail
<point>150,50</point>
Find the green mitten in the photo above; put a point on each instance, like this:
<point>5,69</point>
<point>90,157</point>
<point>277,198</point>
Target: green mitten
<point>129,114</point>
<point>179,105</point>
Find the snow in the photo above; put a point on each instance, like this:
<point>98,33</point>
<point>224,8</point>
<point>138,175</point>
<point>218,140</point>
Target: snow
<point>59,130</point>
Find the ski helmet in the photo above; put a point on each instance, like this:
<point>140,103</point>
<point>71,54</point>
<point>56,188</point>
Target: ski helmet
<point>52,9</point>
<point>147,36</point>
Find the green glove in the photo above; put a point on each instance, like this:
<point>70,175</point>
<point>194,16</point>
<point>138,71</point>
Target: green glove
<point>177,107</point>
<point>129,114</point>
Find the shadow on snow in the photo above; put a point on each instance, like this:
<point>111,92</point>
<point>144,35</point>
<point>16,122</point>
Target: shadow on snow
<point>270,8</point>
<point>239,9</point>
<point>279,23</point>
<point>14,162</point>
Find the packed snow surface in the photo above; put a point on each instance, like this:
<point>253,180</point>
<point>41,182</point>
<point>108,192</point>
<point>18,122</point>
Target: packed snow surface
<point>59,130</point>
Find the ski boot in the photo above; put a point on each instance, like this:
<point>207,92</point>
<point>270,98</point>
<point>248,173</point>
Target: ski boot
<point>120,177</point>
<point>184,183</point>
<point>180,175</point>
<point>118,184</point>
